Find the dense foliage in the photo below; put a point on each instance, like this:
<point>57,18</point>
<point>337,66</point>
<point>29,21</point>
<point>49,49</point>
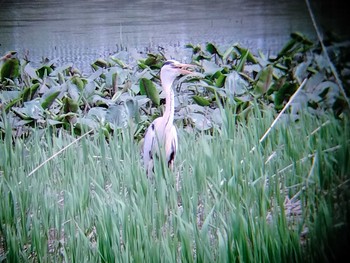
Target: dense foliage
<point>120,92</point>
<point>233,197</point>
<point>286,201</point>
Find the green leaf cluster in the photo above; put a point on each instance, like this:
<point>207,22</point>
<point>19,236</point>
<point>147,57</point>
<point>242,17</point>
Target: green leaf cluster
<point>121,92</point>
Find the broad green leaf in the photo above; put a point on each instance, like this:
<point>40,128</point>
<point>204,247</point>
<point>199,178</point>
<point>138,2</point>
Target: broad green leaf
<point>11,104</point>
<point>151,61</point>
<point>195,48</point>
<point>141,64</point>
<point>10,69</point>
<point>119,62</point>
<point>148,88</point>
<point>115,77</point>
<point>79,82</point>
<point>301,38</point>
<point>115,81</point>
<point>47,101</point>
<point>242,61</point>
<point>19,113</point>
<point>245,52</point>
<point>264,81</point>
<point>26,94</point>
<point>286,48</point>
<point>216,74</point>
<point>100,63</point>
<point>212,49</point>
<point>44,71</point>
<point>33,89</point>
<point>283,94</point>
<point>220,81</point>
<point>228,52</point>
<point>154,61</point>
<point>201,101</point>
<point>276,85</point>
<point>201,56</point>
<point>69,105</point>
<point>94,67</point>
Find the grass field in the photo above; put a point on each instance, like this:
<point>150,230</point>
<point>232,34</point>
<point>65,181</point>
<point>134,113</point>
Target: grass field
<point>287,200</point>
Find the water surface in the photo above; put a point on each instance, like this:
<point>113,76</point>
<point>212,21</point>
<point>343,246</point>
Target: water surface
<point>82,31</point>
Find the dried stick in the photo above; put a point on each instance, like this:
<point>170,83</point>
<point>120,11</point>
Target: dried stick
<point>59,152</point>
<point>280,114</point>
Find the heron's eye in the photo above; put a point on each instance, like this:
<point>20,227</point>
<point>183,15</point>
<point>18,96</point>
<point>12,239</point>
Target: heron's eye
<point>172,63</point>
<point>168,63</point>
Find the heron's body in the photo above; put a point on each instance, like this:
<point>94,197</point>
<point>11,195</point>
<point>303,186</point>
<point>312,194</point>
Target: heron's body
<point>159,137</point>
<point>161,134</point>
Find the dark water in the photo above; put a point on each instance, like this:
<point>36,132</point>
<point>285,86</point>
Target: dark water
<point>82,31</point>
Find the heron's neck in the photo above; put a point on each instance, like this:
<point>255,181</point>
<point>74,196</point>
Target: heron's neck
<point>169,107</point>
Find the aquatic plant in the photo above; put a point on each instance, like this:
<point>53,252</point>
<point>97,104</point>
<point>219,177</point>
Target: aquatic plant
<point>118,92</point>
<point>262,173</point>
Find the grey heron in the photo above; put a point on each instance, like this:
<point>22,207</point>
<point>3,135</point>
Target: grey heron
<point>162,132</point>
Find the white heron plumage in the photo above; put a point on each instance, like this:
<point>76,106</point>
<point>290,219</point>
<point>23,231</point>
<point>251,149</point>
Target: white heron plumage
<point>162,132</point>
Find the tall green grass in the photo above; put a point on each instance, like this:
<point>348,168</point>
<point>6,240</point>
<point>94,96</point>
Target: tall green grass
<point>223,203</point>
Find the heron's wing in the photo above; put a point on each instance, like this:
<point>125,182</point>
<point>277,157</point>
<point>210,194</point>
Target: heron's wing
<point>171,146</point>
<point>150,145</point>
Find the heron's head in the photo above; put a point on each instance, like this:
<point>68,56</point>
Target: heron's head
<point>171,70</point>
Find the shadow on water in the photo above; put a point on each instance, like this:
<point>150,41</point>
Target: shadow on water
<point>80,31</point>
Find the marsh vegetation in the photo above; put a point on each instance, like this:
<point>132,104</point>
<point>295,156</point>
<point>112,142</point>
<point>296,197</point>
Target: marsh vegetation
<point>262,173</point>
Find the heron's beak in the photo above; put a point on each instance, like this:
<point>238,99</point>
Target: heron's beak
<point>184,68</point>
